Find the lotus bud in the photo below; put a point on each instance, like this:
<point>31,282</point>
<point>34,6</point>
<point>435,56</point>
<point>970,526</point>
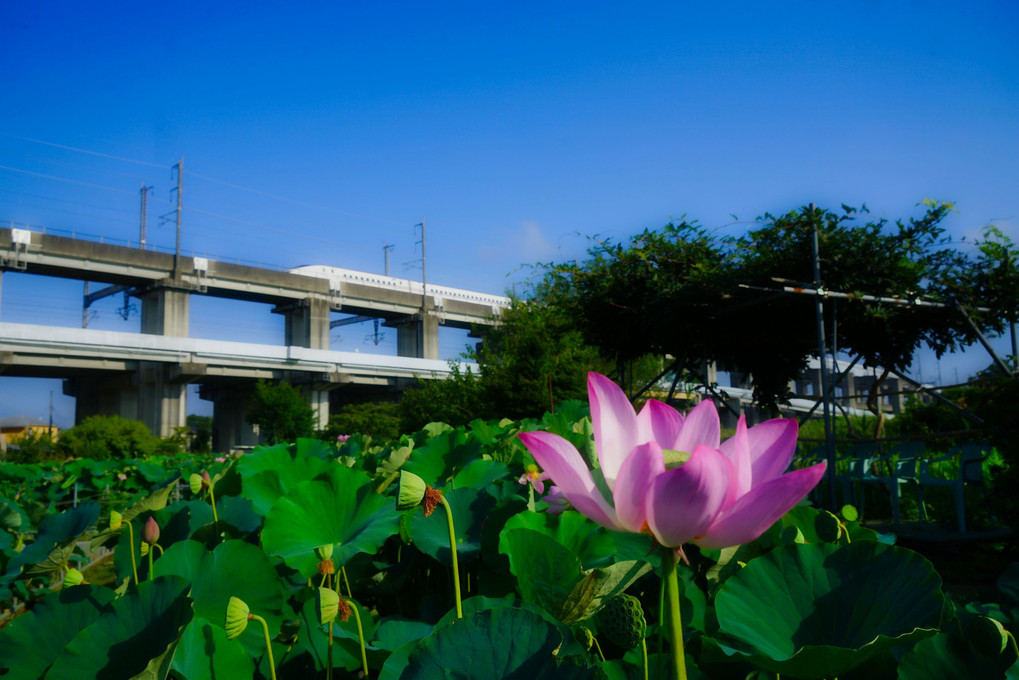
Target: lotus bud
<point>151,532</point>
<point>328,604</point>
<point>622,621</point>
<point>73,577</point>
<point>195,482</point>
<point>206,478</point>
<point>410,491</point>
<point>237,617</point>
<point>324,552</point>
<point>116,520</point>
<point>988,636</point>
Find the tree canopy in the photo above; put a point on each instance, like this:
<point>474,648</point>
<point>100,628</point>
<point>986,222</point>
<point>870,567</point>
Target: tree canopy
<point>697,296</point>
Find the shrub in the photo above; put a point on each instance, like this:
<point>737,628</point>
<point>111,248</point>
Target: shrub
<point>108,437</point>
<point>379,420</point>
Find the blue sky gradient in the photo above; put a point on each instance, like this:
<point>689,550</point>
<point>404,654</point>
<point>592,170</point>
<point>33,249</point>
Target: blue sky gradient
<point>316,134</point>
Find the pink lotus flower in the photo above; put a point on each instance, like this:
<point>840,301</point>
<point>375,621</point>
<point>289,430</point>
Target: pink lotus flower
<point>712,493</point>
<point>341,438</point>
<point>534,478</point>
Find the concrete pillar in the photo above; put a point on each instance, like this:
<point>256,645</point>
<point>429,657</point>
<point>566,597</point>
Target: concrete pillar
<point>165,311</point>
<point>96,394</point>
<point>417,336</point>
<point>162,404</point>
<point>306,323</point>
<point>230,408</point>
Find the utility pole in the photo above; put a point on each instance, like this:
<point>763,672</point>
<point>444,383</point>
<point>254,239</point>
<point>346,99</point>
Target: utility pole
<point>145,200</point>
<point>180,181</point>
<point>424,269</point>
<point>829,444</point>
<point>386,247</point>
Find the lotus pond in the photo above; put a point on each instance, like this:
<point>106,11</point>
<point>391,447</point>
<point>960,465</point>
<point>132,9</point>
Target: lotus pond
<point>316,560</point>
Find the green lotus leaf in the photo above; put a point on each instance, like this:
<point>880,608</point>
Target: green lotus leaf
<point>592,543</point>
<point>442,456</point>
<point>34,640</point>
<point>480,473</point>
<point>470,507</point>
<point>204,653</point>
<point>54,543</point>
<point>393,633</point>
<point>314,448</point>
<point>949,656</point>
<point>551,576</point>
<point>274,474</point>
<point>507,643</point>
<point>234,568</point>
<point>12,517</point>
<point>150,503</point>
<point>341,509</point>
<point>134,637</point>
<point>819,610</point>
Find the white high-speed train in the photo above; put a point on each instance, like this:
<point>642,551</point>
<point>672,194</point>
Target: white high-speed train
<point>337,276</point>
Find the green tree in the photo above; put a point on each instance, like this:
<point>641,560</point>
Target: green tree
<point>201,432</point>
<point>684,292</point>
<point>535,358</point>
<point>281,413</point>
<point>108,437</point>
<point>379,420</point>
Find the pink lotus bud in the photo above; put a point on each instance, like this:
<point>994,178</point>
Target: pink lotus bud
<point>206,478</point>
<point>151,532</point>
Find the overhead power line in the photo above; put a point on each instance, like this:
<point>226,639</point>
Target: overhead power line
<point>91,153</point>
<point>65,179</point>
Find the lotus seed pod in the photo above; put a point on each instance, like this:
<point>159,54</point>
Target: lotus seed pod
<point>144,549</point>
<point>73,577</point>
<point>195,482</point>
<point>410,491</point>
<point>328,604</point>
<point>116,520</point>
<point>622,621</point>
<point>151,532</point>
<point>324,552</point>
<point>850,513</point>
<point>237,617</point>
<point>987,636</point>
<point>791,534</point>
<point>827,526</point>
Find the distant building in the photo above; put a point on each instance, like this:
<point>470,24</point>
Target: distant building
<point>13,428</point>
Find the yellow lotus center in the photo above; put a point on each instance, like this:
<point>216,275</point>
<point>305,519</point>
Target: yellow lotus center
<point>675,459</point>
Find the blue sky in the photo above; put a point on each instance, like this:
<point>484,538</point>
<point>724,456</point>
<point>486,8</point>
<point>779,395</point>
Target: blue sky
<point>317,134</point>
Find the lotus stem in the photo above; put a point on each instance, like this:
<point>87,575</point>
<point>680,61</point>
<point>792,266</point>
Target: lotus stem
<point>671,578</point>
<point>452,550</point>
<point>598,647</point>
<point>357,618</point>
<point>212,502</point>
<point>268,643</point>
<point>134,563</point>
<point>329,668</point>
<point>643,649</point>
<point>150,562</point>
<point>360,638</point>
<point>659,671</point>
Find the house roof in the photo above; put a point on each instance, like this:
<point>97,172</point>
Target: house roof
<point>22,421</point>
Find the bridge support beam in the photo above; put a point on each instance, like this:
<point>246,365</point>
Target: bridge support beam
<point>162,403</point>
<point>307,323</point>
<point>417,336</point>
